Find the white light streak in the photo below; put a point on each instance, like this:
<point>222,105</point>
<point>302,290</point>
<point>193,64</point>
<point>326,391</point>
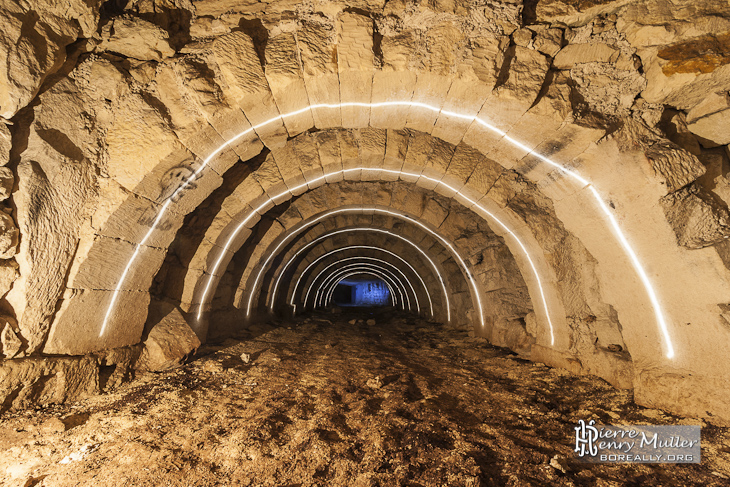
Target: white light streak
<point>376,230</point>
<point>662,325</point>
<point>342,249</point>
<point>332,289</point>
<point>366,264</point>
<point>354,270</point>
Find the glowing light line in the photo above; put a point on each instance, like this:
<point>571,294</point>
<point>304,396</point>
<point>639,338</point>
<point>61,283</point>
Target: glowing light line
<point>355,269</point>
<point>306,296</point>
<point>332,290</point>
<point>377,230</point>
<point>614,224</point>
<point>355,273</point>
<point>370,247</point>
<point>342,249</point>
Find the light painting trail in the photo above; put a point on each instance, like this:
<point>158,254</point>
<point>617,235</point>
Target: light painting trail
<point>398,284</point>
<point>413,291</point>
<point>613,223</point>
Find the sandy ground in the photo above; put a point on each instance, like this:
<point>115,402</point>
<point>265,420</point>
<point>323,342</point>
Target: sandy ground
<point>324,402</point>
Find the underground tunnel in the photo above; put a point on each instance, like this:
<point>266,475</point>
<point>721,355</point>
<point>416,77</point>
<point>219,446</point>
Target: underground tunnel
<point>363,242</point>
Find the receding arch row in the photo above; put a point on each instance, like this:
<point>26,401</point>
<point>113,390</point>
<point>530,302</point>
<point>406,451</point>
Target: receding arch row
<point>354,269</point>
<point>476,296</point>
<point>246,263</point>
<point>292,235</point>
<point>303,227</point>
<point>333,246</point>
<point>604,208</point>
<point>335,281</point>
<point>413,291</point>
<point>270,203</point>
<point>364,209</point>
<point>319,239</point>
<point>476,243</point>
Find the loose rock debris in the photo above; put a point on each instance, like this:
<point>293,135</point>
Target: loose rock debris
<point>403,402</point>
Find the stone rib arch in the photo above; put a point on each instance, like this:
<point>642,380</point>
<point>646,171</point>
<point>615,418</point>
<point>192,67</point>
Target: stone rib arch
<point>356,269</point>
<point>184,124</point>
<point>362,247</point>
<point>630,263</point>
<point>317,296</point>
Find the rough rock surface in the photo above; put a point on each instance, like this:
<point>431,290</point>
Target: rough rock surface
<point>6,182</point>
<point>9,236</point>
<point>450,410</point>
<point>710,120</point>
<point>5,143</point>
<point>8,275</point>
<point>136,38</point>
<point>33,42</point>
<point>48,380</point>
<point>11,344</point>
<point>169,342</point>
<point>698,218</point>
<point>573,54</point>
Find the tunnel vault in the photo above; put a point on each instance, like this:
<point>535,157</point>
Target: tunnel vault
<point>230,176</point>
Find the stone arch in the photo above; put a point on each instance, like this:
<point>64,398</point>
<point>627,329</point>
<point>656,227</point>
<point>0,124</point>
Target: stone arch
<point>317,297</point>
<point>577,205</point>
<point>161,114</point>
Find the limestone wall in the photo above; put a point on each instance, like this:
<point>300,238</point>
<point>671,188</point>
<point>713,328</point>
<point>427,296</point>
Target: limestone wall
<point>161,151</point>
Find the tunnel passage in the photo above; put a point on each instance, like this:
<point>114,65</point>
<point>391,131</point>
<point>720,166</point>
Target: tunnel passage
<point>437,248</point>
<point>359,290</point>
<point>551,175</point>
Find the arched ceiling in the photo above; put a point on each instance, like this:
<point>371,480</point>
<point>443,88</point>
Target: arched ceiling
<point>550,159</point>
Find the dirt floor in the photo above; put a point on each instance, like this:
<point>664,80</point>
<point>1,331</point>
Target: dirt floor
<point>325,402</point>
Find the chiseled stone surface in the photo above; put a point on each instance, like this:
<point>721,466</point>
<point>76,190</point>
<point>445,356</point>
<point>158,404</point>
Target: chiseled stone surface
<point>5,143</point>
<point>48,380</point>
<point>168,343</point>
<point>33,45</point>
<point>697,218</point>
<point>11,344</point>
<point>136,38</point>
<point>710,120</point>
<point>8,275</point>
<point>573,54</point>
